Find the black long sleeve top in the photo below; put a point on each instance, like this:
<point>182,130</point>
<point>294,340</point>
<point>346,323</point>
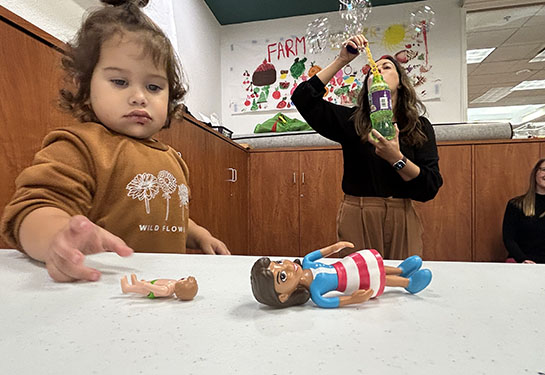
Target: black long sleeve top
<point>524,236</point>
<point>365,173</point>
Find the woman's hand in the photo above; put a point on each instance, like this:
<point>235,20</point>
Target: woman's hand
<point>386,149</point>
<point>357,42</point>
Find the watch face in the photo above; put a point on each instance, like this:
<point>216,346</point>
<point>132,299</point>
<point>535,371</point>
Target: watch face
<point>399,165</point>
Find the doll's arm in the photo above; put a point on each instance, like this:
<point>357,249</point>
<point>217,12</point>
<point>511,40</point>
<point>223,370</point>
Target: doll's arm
<point>359,296</point>
<point>335,248</point>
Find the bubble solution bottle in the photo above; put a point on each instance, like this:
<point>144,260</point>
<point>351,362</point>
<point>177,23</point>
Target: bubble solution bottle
<point>380,102</point>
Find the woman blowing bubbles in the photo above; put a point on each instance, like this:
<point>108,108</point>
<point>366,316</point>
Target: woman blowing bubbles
<point>377,210</point>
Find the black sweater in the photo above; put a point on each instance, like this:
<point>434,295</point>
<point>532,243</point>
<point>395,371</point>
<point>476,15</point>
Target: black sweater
<point>524,236</point>
<point>365,173</point>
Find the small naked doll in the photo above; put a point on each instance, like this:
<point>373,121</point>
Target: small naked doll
<point>184,289</point>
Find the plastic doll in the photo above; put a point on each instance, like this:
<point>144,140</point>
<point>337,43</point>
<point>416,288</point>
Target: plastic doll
<point>360,276</point>
<point>184,289</point>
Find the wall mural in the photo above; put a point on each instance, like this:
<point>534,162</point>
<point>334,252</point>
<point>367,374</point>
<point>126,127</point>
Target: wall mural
<point>267,71</point>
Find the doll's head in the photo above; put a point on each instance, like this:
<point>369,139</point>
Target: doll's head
<point>186,289</point>
<point>263,286</point>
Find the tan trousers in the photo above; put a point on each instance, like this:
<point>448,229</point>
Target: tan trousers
<point>389,225</point>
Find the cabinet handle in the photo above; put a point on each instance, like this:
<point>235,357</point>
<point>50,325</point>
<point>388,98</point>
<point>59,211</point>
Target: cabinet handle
<point>232,179</point>
<point>236,175</point>
<point>294,178</point>
<point>303,178</point>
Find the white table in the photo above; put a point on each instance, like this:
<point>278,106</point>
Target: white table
<point>474,318</point>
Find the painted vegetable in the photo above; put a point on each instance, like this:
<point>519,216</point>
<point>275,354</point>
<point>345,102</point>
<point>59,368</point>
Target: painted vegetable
<point>298,67</point>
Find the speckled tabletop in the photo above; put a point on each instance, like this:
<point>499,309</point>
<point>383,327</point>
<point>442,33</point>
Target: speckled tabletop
<point>474,318</point>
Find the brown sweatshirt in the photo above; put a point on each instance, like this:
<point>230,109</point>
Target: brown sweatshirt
<point>136,189</point>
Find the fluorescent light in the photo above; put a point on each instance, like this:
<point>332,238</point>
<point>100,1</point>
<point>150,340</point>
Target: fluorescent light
<point>539,57</point>
<point>474,56</point>
<point>536,114</point>
<point>493,95</point>
<point>530,85</point>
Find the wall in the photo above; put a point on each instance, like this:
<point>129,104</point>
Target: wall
<point>197,33</point>
<point>446,44</point>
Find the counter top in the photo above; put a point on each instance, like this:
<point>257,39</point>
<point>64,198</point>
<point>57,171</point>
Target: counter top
<point>474,318</point>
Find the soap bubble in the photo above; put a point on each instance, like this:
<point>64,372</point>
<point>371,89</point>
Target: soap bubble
<point>422,18</point>
<point>317,34</point>
<point>354,13</point>
<point>336,40</point>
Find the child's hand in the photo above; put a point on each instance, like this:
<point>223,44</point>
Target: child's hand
<point>211,245</point>
<point>68,248</point>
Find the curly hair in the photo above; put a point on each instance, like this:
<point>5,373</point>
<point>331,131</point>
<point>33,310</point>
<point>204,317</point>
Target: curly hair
<point>114,19</point>
<point>407,109</point>
<point>262,281</point>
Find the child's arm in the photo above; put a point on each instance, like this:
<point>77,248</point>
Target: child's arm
<point>199,238</point>
<point>52,236</point>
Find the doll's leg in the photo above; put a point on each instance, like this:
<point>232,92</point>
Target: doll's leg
<point>136,286</point>
<point>392,270</point>
<point>410,265</point>
<point>396,280</point>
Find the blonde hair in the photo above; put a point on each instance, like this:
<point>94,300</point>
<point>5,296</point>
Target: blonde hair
<point>527,202</point>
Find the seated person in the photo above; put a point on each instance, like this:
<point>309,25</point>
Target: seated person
<point>524,221</point>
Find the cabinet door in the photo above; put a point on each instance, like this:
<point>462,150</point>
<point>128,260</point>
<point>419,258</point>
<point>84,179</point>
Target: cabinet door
<point>319,197</point>
<point>30,76</point>
<point>274,203</point>
<point>239,197</point>
<point>501,172</point>
<point>447,219</point>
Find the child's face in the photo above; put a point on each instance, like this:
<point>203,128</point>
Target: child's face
<point>129,94</point>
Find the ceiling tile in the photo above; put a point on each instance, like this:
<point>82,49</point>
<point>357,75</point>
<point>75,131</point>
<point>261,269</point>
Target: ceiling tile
<point>487,39</point>
<point>500,18</point>
<point>497,67</point>
<point>512,52</point>
<point>530,34</point>
<point>540,74</point>
<point>537,19</point>
<point>503,79</point>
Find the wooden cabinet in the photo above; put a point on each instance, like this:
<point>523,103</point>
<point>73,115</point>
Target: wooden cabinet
<point>501,172</point>
<point>218,179</point>
<point>464,221</point>
<point>447,219</point>
<point>294,196</point>
<point>30,76</point>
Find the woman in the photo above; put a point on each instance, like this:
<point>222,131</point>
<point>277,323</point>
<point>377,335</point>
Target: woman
<point>524,220</point>
<point>381,177</point>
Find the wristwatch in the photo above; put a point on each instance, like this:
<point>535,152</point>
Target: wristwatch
<point>400,164</point>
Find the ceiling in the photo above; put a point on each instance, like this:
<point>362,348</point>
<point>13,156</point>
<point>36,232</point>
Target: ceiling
<point>237,11</point>
<point>517,33</point>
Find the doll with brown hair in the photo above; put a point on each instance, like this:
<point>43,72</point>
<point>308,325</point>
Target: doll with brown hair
<point>360,276</point>
<point>184,289</point>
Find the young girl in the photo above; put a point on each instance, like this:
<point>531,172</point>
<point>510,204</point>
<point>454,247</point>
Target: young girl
<point>381,177</point>
<point>106,184</point>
